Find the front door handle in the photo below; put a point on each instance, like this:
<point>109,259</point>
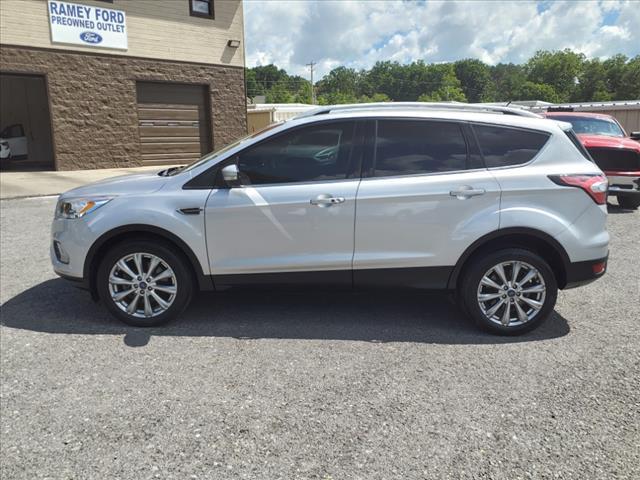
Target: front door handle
<point>467,191</point>
<point>326,200</point>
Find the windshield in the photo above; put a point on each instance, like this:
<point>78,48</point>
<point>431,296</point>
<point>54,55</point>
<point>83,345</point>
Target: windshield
<point>217,153</point>
<point>593,126</point>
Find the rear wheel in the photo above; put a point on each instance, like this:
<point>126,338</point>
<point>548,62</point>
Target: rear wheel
<point>144,284</point>
<point>509,292</point>
<point>629,203</point>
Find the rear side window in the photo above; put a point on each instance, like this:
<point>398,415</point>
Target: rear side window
<point>410,147</point>
<point>506,147</point>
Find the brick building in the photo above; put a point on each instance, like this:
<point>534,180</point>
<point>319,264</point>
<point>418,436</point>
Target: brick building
<point>115,83</point>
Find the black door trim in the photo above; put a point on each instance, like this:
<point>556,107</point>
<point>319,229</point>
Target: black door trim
<point>424,278</point>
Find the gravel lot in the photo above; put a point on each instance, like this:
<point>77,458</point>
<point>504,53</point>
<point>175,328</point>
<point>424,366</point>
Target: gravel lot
<point>321,385</point>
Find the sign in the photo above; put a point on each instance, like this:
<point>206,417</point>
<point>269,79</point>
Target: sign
<point>87,25</point>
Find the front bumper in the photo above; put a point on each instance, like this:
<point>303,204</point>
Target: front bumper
<point>70,242</point>
<point>582,273</point>
<point>624,183</point>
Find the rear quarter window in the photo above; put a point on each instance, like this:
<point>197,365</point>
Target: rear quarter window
<point>506,147</point>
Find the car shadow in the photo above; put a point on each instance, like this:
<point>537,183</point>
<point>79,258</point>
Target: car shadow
<point>57,307</point>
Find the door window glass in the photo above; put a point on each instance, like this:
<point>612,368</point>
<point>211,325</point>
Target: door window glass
<point>408,147</point>
<point>504,147</point>
<point>309,154</point>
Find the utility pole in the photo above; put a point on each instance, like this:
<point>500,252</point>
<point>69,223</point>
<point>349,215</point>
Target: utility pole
<point>313,90</point>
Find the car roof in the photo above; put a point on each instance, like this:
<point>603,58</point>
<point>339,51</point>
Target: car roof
<point>579,114</point>
<point>536,122</point>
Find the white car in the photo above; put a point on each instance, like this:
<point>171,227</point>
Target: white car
<point>14,142</point>
<point>493,203</point>
<point>5,150</point>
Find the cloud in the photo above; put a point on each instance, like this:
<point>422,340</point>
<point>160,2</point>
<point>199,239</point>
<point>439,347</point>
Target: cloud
<point>292,33</point>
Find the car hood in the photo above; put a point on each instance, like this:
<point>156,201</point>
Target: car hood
<point>124,185</point>
<point>602,141</point>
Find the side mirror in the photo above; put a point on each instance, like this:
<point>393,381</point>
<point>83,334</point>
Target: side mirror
<point>635,136</point>
<point>231,174</point>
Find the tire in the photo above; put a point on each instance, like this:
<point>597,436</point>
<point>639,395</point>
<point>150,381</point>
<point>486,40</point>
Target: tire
<point>162,300</point>
<point>541,290</point>
<point>629,203</point>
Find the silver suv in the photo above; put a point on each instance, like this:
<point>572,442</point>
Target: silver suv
<point>495,204</point>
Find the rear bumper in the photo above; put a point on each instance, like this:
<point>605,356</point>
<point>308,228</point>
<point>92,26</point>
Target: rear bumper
<point>624,183</point>
<point>582,273</point>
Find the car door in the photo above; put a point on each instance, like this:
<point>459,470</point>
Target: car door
<point>426,197</point>
<point>291,217</point>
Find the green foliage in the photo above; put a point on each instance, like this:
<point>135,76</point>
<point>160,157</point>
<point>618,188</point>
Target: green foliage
<point>558,76</point>
<point>475,77</point>
<point>537,91</point>
<point>560,70</point>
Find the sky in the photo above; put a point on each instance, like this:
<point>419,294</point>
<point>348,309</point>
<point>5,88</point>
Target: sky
<point>292,33</point>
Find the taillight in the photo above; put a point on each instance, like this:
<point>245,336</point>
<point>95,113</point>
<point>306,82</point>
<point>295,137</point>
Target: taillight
<point>595,185</point>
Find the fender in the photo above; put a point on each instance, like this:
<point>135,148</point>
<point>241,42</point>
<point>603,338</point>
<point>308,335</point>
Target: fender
<point>509,232</point>
<point>204,281</point>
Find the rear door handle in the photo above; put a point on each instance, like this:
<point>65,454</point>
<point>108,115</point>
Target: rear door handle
<point>467,191</point>
<point>326,200</point>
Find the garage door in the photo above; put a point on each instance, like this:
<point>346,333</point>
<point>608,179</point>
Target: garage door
<point>173,121</point>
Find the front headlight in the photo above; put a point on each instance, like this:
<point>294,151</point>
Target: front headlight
<point>79,207</point>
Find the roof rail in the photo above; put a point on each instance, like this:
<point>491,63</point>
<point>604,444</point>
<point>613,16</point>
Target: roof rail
<point>465,107</point>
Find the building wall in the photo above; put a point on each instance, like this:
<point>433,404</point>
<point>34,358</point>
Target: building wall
<point>93,101</point>
<point>156,29</point>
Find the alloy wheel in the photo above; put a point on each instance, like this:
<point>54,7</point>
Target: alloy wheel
<point>142,285</point>
<point>511,293</point>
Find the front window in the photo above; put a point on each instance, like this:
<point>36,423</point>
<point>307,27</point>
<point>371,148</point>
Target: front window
<point>593,126</point>
<point>217,153</point>
<point>308,154</point>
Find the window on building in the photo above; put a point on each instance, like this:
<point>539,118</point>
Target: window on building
<point>311,154</point>
<point>201,8</point>
<point>505,147</point>
<point>408,147</point>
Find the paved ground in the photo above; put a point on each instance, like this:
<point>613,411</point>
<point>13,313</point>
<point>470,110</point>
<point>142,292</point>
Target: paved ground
<point>313,386</point>
<point>35,183</point>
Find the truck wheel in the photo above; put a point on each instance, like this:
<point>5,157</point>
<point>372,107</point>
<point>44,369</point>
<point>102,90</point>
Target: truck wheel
<point>145,283</point>
<point>509,292</point>
<point>629,203</point>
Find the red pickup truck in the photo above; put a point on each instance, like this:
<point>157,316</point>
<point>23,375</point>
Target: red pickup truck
<point>616,153</point>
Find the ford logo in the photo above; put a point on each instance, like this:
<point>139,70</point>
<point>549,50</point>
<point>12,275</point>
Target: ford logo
<point>90,37</point>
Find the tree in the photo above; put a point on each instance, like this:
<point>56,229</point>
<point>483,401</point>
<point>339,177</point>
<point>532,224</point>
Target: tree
<point>342,79</point>
<point>592,83</point>
<point>538,91</point>
<point>253,89</point>
<point>475,79</point>
<point>615,68</point>
<point>558,69</point>
<point>507,78</point>
<point>443,85</point>
<point>279,93</point>
<point>630,85</point>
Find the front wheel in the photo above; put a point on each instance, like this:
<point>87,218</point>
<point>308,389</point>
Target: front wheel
<point>629,203</point>
<point>144,283</point>
<point>510,291</point>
